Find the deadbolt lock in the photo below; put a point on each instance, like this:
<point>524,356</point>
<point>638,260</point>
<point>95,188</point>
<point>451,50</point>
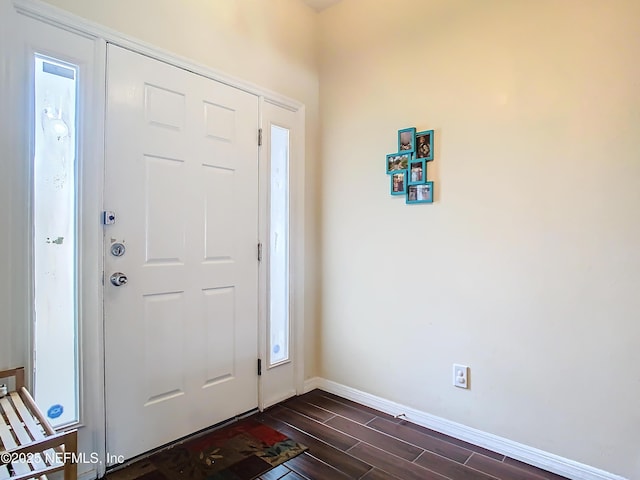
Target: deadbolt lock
<point>117,249</point>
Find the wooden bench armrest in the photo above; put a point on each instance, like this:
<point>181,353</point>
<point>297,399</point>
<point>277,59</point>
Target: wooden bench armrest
<point>17,373</point>
<point>31,403</point>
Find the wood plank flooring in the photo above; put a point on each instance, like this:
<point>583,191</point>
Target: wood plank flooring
<point>350,441</point>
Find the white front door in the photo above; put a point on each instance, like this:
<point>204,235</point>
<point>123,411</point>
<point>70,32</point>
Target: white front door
<point>181,178</point>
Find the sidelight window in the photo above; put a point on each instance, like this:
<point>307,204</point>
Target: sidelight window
<point>55,226</point>
<point>279,328</point>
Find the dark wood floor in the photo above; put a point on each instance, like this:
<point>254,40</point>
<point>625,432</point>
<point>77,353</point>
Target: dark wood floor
<point>349,441</point>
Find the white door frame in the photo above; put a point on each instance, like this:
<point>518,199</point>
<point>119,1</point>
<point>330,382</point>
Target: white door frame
<point>296,254</point>
<point>92,360</point>
<point>31,36</point>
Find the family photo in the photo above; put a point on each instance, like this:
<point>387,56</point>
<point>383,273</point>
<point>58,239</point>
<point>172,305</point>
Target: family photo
<point>397,161</point>
<point>424,145</point>
<point>417,172</point>
<point>407,167</point>
<point>398,183</point>
<point>420,193</point>
<point>407,140</point>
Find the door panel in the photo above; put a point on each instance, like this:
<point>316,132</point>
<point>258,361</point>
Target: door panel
<point>181,175</point>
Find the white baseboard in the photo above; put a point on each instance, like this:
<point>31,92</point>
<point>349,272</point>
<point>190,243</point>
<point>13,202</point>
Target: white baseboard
<point>90,475</point>
<point>280,398</point>
<point>532,456</point>
<point>312,384</point>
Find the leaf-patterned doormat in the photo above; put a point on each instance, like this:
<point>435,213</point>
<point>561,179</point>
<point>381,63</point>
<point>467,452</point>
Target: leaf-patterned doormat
<point>241,451</point>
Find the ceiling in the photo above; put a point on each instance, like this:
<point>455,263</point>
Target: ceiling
<point>320,5</point>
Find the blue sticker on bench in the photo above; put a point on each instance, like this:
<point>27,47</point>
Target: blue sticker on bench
<point>55,411</point>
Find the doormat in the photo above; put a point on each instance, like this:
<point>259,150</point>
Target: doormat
<point>241,451</point>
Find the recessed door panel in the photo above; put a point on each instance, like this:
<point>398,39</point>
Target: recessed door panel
<point>163,346</point>
<point>164,108</point>
<point>219,122</point>
<point>220,333</point>
<point>164,202</point>
<point>219,219</point>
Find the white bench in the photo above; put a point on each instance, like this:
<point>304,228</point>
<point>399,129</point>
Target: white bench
<point>29,446</point>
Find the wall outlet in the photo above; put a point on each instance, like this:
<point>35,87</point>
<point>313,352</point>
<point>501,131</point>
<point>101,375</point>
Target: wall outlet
<point>460,376</point>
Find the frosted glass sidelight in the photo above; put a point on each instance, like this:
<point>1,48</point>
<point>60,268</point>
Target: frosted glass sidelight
<point>279,247</point>
<point>55,240</point>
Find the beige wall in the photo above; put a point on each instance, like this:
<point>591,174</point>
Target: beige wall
<point>271,44</point>
<point>527,267</point>
<point>6,325</point>
<point>13,222</point>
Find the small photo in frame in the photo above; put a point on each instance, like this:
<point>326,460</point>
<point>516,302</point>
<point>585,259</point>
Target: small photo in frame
<point>407,140</point>
<point>398,161</point>
<point>420,193</point>
<point>399,182</point>
<point>424,145</point>
<point>417,172</point>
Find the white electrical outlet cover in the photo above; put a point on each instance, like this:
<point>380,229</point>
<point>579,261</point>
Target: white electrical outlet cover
<point>460,376</point>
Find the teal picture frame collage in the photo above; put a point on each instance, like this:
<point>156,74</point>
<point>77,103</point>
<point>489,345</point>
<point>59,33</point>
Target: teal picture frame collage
<point>407,168</point>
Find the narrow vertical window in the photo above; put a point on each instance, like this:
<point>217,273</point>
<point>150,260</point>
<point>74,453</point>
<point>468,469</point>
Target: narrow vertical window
<point>55,240</point>
<point>279,247</point>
